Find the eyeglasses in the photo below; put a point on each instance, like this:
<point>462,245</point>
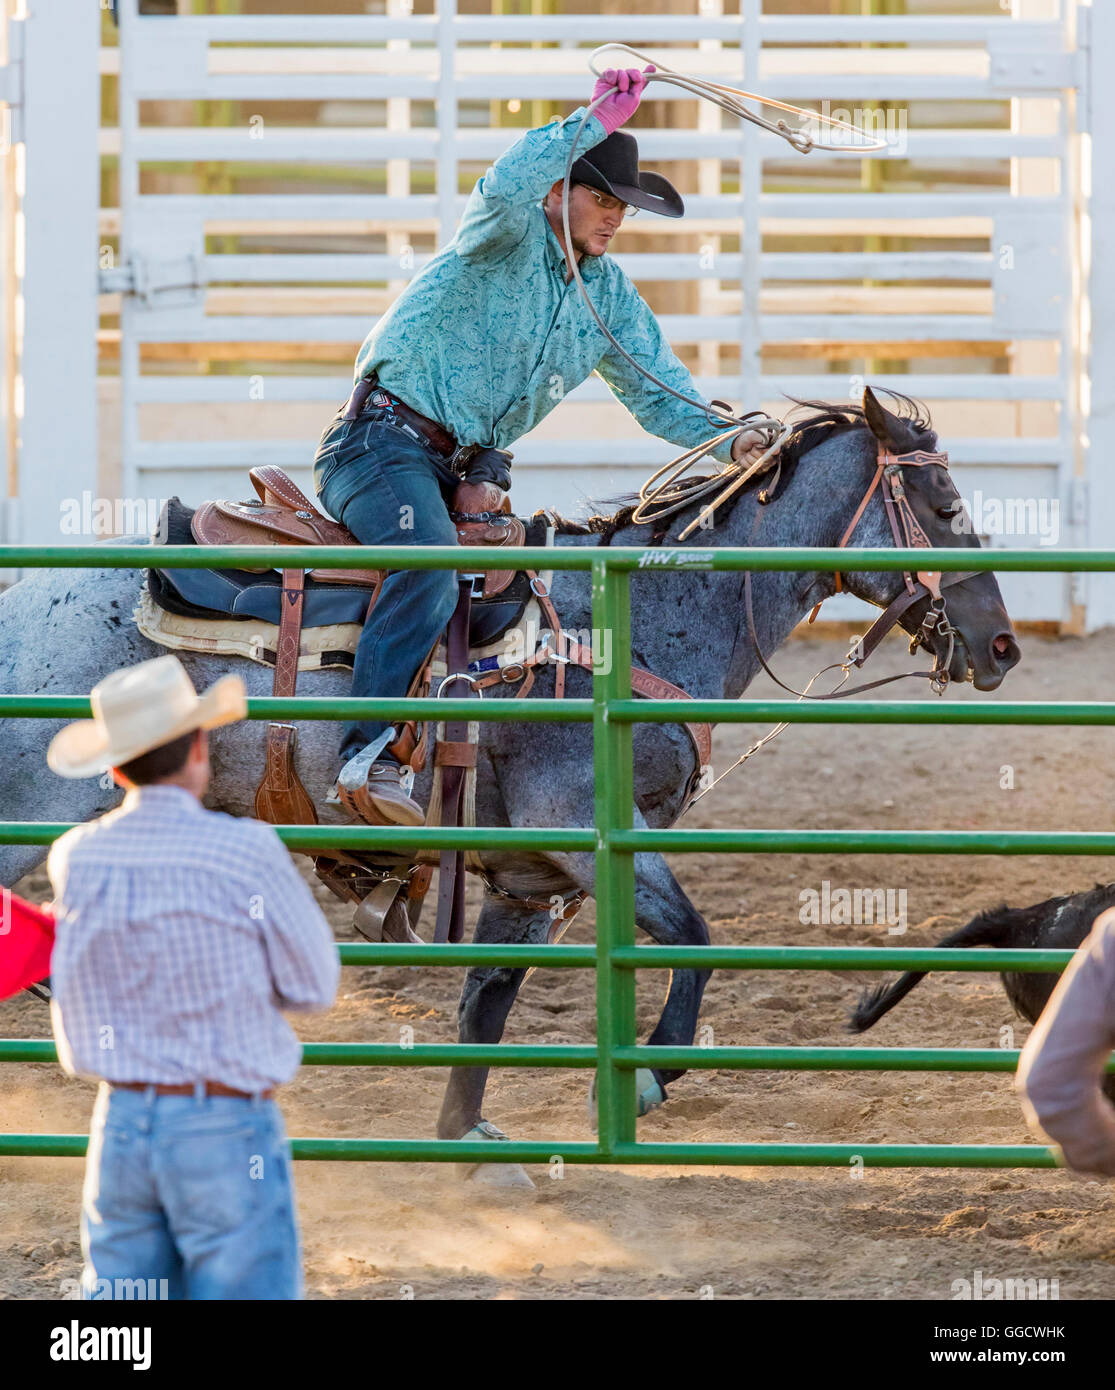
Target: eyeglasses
<point>610,204</point>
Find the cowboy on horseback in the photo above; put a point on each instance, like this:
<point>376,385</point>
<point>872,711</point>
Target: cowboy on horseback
<point>471,356</point>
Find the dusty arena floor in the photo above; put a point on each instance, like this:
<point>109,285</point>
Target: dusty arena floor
<point>389,1231</point>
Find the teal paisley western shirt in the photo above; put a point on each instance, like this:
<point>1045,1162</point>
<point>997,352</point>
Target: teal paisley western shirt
<point>488,338</point>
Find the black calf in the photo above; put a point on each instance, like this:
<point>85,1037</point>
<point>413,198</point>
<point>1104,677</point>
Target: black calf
<point>1056,924</point>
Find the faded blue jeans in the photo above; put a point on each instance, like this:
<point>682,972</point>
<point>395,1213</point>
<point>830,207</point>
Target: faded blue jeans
<point>193,1190</point>
<point>389,489</point>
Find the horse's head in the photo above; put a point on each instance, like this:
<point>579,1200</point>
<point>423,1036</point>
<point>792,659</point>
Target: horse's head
<point>983,644</point>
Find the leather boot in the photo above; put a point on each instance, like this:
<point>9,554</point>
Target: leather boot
<point>381,798</point>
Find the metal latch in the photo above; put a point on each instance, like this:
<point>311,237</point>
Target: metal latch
<point>147,279</point>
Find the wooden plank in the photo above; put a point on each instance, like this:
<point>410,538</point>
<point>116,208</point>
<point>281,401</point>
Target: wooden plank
<point>946,388</point>
<point>309,267</point>
<point>963,148</point>
<point>633,450</point>
<point>264,60</point>
<point>810,299</point>
<point>799,29</point>
<point>966,228</point>
<point>270,350</point>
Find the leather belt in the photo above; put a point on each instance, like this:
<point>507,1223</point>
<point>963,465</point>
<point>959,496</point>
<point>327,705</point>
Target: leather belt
<point>212,1088</point>
<point>368,393</point>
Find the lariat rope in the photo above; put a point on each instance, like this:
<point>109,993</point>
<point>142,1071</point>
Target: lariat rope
<point>666,492</point>
<point>761,743</point>
<point>731,99</point>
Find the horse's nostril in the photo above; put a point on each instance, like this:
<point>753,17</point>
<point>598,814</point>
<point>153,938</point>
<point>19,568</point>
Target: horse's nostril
<point>1004,646</point>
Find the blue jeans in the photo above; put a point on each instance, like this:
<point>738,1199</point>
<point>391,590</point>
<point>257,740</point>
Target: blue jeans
<point>193,1190</point>
<point>390,490</point>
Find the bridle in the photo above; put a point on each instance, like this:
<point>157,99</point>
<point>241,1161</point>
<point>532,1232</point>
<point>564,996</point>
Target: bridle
<point>907,533</point>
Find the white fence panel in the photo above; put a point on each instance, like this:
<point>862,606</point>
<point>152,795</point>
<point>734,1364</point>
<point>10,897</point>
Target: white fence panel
<point>990,269</point>
<point>49,203</point>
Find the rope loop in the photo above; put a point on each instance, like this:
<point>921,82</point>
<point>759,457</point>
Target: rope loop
<point>731,99</point>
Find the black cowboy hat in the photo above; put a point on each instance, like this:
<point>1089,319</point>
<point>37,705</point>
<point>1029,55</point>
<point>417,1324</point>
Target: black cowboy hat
<point>613,167</point>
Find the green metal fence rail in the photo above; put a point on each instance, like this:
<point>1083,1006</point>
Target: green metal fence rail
<point>613,839</point>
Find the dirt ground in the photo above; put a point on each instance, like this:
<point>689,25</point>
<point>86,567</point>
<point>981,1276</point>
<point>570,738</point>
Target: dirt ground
<point>395,1231</point>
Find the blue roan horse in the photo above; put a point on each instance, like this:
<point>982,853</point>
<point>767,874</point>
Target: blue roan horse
<point>63,630</point>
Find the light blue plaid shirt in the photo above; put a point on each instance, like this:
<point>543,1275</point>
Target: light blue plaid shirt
<point>181,933</point>
<point>489,337</point>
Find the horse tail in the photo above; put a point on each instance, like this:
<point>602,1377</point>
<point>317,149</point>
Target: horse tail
<point>992,928</point>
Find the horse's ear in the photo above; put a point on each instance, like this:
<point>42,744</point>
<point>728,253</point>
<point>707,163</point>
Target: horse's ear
<point>877,416</point>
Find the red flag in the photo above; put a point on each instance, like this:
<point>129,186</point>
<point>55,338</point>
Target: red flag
<point>26,938</point>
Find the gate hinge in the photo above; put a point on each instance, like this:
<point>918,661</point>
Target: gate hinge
<point>1019,63</point>
<point>147,279</point>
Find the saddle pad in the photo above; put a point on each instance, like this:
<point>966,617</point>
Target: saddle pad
<point>332,645</point>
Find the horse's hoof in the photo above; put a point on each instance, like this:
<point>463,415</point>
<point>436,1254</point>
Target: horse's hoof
<point>649,1095</point>
<point>502,1175</point>
<point>506,1176</point>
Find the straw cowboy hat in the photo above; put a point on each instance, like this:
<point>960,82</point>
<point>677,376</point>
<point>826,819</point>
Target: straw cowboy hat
<point>140,708</point>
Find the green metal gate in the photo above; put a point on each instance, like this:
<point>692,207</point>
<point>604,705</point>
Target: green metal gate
<point>612,712</point>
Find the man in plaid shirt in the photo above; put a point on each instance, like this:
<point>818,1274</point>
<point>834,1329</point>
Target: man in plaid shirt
<point>181,935</point>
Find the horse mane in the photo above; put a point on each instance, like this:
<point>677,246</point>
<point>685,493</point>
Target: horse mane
<point>825,418</point>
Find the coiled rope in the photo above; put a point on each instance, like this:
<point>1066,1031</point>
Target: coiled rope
<point>666,492</point>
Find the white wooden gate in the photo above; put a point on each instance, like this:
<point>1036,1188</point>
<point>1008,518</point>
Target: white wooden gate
<point>965,266</point>
<point>49,192</point>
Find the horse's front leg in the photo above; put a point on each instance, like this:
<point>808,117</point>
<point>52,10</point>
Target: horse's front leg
<point>665,913</point>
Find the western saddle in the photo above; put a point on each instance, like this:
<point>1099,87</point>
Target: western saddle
<point>282,515</point>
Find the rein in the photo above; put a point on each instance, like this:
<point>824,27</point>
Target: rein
<point>907,533</point>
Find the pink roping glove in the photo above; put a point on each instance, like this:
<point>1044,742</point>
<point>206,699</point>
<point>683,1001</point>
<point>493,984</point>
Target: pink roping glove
<point>621,105</point>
